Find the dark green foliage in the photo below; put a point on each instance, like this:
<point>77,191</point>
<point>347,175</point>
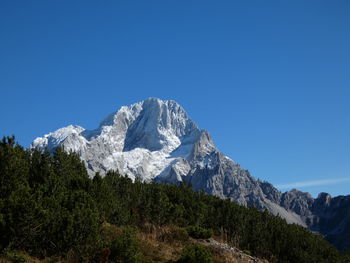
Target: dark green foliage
<point>175,234</point>
<point>346,256</point>
<point>199,232</point>
<point>195,253</point>
<point>49,206</point>
<point>16,257</point>
<point>45,205</point>
<point>125,248</point>
<point>179,234</point>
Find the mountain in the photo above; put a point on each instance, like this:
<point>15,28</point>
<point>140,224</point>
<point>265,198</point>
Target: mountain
<point>324,214</point>
<point>155,140</point>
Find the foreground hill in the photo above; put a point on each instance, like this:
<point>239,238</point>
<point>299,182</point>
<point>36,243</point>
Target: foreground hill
<point>148,244</point>
<point>155,140</point>
<point>50,207</point>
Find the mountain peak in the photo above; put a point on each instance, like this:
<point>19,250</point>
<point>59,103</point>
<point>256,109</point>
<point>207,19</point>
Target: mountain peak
<point>156,140</point>
<point>141,139</point>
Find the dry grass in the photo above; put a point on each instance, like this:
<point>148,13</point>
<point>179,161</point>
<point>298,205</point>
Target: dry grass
<point>158,244</point>
<point>161,244</point>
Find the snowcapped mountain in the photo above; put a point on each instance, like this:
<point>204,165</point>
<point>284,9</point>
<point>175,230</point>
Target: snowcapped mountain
<point>155,140</point>
<point>143,140</point>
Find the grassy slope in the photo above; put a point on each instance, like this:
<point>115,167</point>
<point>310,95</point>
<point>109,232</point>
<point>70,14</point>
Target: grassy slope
<point>157,244</point>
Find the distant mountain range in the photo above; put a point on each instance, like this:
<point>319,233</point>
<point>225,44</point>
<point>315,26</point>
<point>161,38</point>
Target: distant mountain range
<point>155,140</point>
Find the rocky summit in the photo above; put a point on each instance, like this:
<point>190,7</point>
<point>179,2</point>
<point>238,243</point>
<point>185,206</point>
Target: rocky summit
<point>155,140</point>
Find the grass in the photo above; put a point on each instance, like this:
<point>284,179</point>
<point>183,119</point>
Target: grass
<point>157,244</point>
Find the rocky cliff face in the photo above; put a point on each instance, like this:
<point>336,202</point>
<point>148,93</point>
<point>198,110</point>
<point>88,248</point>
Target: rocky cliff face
<point>324,214</point>
<point>155,140</point>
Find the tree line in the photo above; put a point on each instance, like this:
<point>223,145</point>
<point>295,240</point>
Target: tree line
<point>49,206</point>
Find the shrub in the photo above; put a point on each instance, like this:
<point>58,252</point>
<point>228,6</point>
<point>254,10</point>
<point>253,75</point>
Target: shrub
<point>180,234</point>
<point>174,234</point>
<point>16,257</point>
<point>194,254</point>
<point>126,247</point>
<point>198,232</point>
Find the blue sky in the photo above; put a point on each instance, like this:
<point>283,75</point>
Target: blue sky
<point>270,80</point>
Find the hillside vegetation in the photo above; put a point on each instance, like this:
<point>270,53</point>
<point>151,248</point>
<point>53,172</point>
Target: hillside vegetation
<point>49,207</point>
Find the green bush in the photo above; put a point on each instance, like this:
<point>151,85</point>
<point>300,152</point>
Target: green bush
<point>180,234</point>
<point>175,234</point>
<point>198,232</point>
<point>16,257</point>
<point>126,247</point>
<point>194,254</point>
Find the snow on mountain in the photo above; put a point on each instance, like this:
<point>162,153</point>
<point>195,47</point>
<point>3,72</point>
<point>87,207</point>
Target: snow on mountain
<point>140,140</point>
<point>155,140</point>
<point>53,139</point>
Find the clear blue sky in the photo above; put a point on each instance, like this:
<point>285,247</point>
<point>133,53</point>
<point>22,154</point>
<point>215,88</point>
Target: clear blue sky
<point>270,80</point>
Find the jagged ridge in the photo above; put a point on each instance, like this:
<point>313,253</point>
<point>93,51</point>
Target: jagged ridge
<point>155,140</point>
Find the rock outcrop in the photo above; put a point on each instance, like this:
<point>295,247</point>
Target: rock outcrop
<point>155,140</point>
